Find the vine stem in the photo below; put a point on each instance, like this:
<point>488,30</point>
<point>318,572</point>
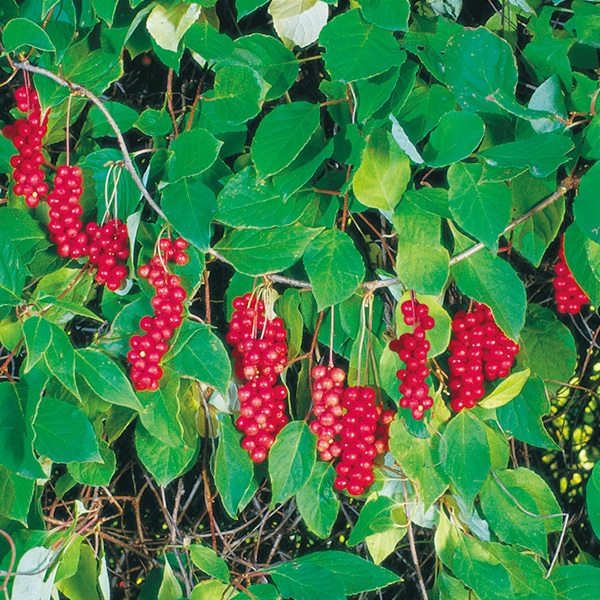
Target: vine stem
<point>80,90</point>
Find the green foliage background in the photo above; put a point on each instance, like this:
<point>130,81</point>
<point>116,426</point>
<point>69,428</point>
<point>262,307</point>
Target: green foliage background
<point>345,152</point>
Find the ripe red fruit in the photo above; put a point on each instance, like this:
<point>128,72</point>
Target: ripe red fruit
<point>108,249</point>
<point>568,294</point>
<point>412,349</point>
<point>260,355</point>
<point>146,350</point>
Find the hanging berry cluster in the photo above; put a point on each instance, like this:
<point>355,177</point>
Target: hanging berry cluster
<point>26,135</point>
<point>349,425</point>
<point>412,348</point>
<point>147,350</point>
<point>260,355</point>
<point>567,293</point>
<point>479,351</point>
<point>108,249</point>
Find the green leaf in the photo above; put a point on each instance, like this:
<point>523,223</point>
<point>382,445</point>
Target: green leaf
<point>583,258</point>
<point>192,153</point>
<point>95,473</point>
<point>479,64</point>
<point>481,209</point>
<point>209,562</point>
<point>106,379</point>
<point>206,41</point>
<point>592,499</point>
<point>334,266</point>
<point>517,504</point>
<point>585,23</point>
<point>358,574</point>
<point>291,460</point>
<point>245,7</point>
<point>389,14</point>
<point>507,390</point>
<point>16,493</point>
<point>376,516</point>
<point>374,92</point>
<point>307,581</point>
<point>493,281</point>
<point>23,231</point>
<point>22,32</point>
<point>238,94</point>
<point>547,346</point>
<point>63,433</point>
<point>60,359</point>
<point>155,123</point>
<point>465,438</point>
<point>457,135</point>
<point>270,59</point>
<point>204,358</point>
<point>317,502</point>
<point>420,459</point>
<point>248,203</point>
<point>124,116</point>
<point>532,238</point>
<point>522,418</point>
<point>257,252</point>
<point>384,172</point>
<point>542,153</point>
<point>356,49</point>
<point>167,25</point>
<point>170,589</point>
<point>281,136</point>
<point>585,206</point>
<point>422,263</point>
<point>577,582</point>
<point>190,206</point>
<point>233,469</point>
<point>105,9</point>
<point>38,337</point>
<point>12,275</point>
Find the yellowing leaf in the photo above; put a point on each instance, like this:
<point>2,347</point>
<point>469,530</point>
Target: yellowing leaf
<point>298,23</point>
<point>507,390</point>
<point>168,25</point>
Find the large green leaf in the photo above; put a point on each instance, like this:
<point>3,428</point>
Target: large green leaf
<point>204,358</point>
<point>22,32</point>
<point>95,473</point>
<point>583,258</point>
<point>420,459</point>
<point>334,266</point>
<point>493,281</point>
<point>522,418</point>
<point>291,460</point>
<point>244,202</point>
<point>358,574</point>
<point>517,504</point>
<point>542,153</point>
<point>63,432</point>
<point>16,493</point>
<point>209,562</point>
<point>105,378</point>
<point>389,14</point>
<point>356,49</point>
<point>372,93</point>
<point>422,263</point>
<point>307,581</point>
<point>378,515</point>
<point>12,274</point>
<point>193,152</point>
<point>383,174</point>
<point>479,65</point>
<point>465,438</point>
<point>456,136</point>
<point>190,206</point>
<point>281,136</point>
<point>23,231</point>
<point>592,499</point>
<point>317,502</point>
<point>257,252</point>
<point>547,346</point>
<point>481,209</point>
<point>233,470</point>
<point>206,41</point>
<point>585,207</point>
<point>577,582</point>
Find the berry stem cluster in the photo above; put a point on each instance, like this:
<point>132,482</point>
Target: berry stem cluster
<point>147,350</point>
<point>260,355</point>
<point>412,348</point>
<point>479,351</point>
<point>568,294</point>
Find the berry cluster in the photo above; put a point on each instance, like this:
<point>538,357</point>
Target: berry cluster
<point>260,355</point>
<point>567,293</point>
<point>147,350</point>
<point>108,249</point>
<point>65,225</point>
<point>479,351</point>
<point>412,348</point>
<point>26,136</point>
<point>327,396</point>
